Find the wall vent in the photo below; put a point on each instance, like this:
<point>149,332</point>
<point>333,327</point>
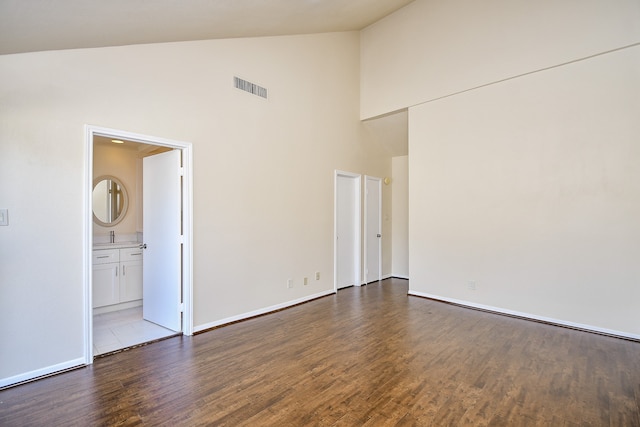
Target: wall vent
<point>250,87</point>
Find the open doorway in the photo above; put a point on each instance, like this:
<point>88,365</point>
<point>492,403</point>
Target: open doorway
<point>118,267</point>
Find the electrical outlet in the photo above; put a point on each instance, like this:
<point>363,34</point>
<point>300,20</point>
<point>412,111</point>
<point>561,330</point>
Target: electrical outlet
<point>305,281</point>
<point>471,285</point>
<point>290,283</point>
<point>317,275</point>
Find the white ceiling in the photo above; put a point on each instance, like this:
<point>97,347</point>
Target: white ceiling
<point>145,149</point>
<point>38,25</point>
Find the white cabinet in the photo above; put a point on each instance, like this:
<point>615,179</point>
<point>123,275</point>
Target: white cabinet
<point>130,274</point>
<point>105,284</point>
<point>117,276</point>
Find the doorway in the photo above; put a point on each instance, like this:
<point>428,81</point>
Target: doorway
<point>373,229</point>
<point>182,205</point>
<point>347,226</point>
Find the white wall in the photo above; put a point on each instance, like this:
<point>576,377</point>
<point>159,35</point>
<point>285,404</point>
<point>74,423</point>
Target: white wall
<point>526,186</point>
<point>430,49</point>
<point>536,197</point>
<point>400,219</point>
<point>263,172</point>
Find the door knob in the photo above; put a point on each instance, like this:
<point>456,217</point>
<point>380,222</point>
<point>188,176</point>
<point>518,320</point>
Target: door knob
<point>379,235</point>
<point>143,246</point>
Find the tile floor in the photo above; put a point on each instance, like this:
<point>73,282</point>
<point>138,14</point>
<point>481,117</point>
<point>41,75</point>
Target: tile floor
<point>124,328</point>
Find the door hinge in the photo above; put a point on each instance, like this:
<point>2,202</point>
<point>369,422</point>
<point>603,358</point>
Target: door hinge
<point>181,307</point>
<point>181,239</point>
<point>181,171</point>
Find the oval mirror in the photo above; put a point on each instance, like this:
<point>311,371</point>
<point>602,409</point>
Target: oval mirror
<point>110,201</point>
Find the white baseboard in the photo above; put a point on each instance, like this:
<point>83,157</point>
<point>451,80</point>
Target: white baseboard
<point>27,376</point>
<point>399,276</point>
<point>529,316</point>
<point>261,311</point>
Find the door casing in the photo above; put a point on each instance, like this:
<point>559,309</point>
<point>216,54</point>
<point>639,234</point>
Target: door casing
<point>187,224</point>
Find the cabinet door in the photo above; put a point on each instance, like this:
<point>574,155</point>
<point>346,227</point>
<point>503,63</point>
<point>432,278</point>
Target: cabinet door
<point>106,286</point>
<point>130,281</point>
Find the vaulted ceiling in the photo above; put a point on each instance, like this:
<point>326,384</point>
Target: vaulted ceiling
<point>38,25</point>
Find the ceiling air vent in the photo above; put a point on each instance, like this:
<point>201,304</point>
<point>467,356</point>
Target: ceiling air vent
<point>250,87</point>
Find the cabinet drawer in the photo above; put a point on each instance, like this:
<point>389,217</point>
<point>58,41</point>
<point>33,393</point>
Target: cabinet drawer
<point>130,254</point>
<point>105,256</point>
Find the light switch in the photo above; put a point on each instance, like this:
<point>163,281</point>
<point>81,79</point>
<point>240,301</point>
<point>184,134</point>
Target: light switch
<point>4,216</point>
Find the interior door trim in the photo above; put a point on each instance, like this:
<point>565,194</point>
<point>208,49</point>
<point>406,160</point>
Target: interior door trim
<point>187,225</point>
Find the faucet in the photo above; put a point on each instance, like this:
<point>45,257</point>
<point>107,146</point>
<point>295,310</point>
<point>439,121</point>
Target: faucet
<point>112,236</point>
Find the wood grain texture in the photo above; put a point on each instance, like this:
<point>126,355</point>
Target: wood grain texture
<point>369,356</point>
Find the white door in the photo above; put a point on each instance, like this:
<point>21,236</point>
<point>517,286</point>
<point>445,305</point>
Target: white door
<point>373,229</point>
<point>162,230</point>
<point>347,217</point>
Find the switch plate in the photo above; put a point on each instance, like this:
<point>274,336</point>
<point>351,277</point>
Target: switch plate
<point>290,283</point>
<point>305,281</point>
<point>317,275</point>
<point>4,216</point>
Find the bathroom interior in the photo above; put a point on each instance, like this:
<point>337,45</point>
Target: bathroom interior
<point>118,254</point>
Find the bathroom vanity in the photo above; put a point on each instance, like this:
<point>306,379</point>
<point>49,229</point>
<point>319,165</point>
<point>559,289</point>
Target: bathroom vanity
<point>117,276</point>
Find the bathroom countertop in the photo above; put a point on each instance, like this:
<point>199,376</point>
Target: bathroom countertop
<point>116,245</point>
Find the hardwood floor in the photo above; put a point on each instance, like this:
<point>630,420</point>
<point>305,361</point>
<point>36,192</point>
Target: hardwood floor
<point>369,356</point>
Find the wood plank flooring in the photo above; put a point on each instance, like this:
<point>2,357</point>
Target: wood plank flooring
<point>369,356</point>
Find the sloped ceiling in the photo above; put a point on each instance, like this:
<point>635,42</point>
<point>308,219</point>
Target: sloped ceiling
<point>39,25</point>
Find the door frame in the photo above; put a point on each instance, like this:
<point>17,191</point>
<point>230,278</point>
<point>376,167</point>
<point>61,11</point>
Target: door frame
<point>367,188</point>
<point>187,226</point>
<point>357,200</point>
